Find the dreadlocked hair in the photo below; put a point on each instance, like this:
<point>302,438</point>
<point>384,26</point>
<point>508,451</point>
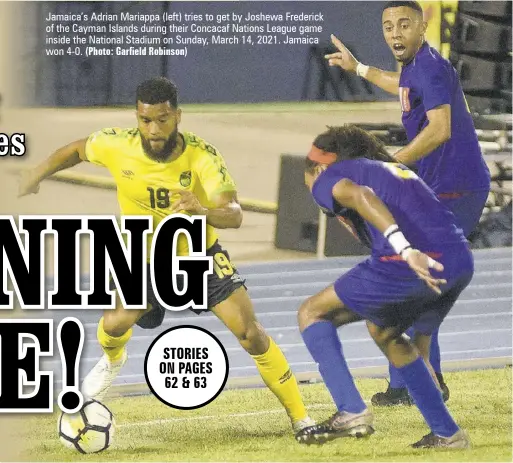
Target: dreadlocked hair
<point>350,142</point>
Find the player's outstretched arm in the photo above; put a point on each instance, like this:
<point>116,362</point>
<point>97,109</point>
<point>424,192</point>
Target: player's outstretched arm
<point>373,210</point>
<point>64,158</point>
<point>387,80</point>
<point>227,213</point>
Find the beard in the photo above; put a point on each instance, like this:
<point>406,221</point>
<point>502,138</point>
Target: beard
<point>165,152</point>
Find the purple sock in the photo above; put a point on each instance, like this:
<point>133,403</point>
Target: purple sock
<point>396,380</point>
<point>322,341</point>
<point>428,398</point>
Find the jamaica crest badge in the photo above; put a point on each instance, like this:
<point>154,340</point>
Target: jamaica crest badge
<point>185,178</point>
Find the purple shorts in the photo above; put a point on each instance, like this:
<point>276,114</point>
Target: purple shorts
<point>467,208</point>
<point>390,293</point>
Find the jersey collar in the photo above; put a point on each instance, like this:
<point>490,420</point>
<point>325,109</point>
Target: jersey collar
<point>421,50</point>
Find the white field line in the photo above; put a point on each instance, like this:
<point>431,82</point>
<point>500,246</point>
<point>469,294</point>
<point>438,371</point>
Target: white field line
<point>219,417</point>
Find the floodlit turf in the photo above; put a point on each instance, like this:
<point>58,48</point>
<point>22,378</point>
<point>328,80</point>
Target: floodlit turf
<point>248,425</point>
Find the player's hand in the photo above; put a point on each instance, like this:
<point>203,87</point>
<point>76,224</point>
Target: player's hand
<point>421,264</point>
<point>28,184</point>
<point>187,202</point>
<point>343,58</point>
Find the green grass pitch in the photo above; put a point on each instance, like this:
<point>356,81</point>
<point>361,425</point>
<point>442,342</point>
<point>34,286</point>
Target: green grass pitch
<point>249,425</point>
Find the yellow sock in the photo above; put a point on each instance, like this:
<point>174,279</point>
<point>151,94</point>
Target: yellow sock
<point>112,346</point>
<point>278,377</point>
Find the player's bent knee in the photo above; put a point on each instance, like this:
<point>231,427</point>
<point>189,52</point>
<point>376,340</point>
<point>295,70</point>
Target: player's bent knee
<point>382,336</point>
<point>307,314</point>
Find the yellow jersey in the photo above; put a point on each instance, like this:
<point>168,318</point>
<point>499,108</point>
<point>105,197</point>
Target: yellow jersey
<point>144,185</point>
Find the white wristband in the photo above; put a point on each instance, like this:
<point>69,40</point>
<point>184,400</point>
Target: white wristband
<point>396,239</point>
<point>362,70</point>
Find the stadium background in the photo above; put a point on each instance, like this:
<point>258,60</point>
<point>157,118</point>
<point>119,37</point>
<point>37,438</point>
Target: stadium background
<point>254,116</point>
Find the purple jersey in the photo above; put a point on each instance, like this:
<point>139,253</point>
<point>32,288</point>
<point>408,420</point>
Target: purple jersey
<point>457,165</point>
<point>426,223</point>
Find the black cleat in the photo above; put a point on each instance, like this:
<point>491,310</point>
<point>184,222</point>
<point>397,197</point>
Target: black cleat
<point>399,395</point>
<point>459,440</point>
<point>443,386</point>
<point>391,397</point>
<point>341,424</point>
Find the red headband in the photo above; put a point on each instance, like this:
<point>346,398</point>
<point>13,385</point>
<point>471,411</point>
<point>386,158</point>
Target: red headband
<point>322,157</point>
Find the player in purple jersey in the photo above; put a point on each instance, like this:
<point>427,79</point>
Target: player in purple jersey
<point>392,290</point>
<point>443,144</point>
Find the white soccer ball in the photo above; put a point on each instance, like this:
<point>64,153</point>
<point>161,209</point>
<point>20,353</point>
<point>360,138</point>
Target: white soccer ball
<point>90,430</point>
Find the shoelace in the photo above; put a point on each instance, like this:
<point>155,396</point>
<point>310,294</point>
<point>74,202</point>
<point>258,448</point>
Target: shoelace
<point>333,418</point>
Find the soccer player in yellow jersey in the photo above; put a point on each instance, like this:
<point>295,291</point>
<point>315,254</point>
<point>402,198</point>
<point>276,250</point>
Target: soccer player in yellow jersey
<point>159,171</point>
